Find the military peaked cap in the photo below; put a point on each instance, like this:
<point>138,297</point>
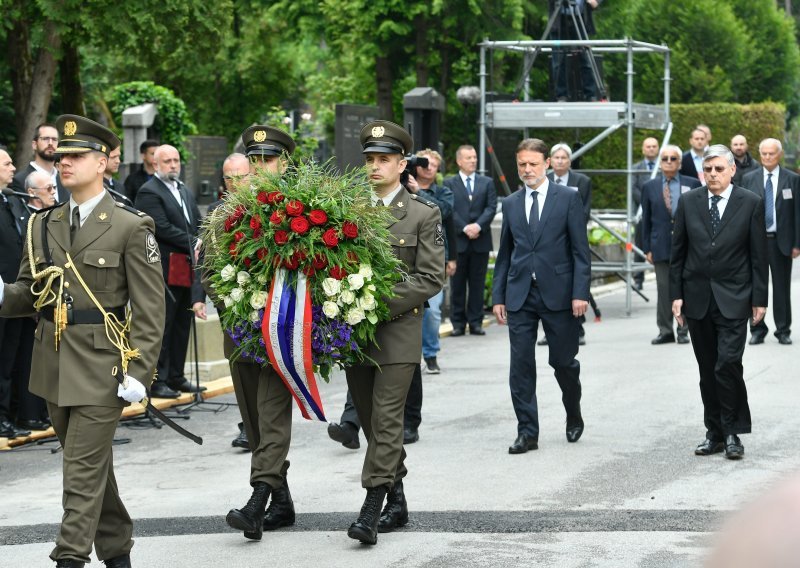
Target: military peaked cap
<point>260,140</point>
<point>384,137</point>
<point>77,134</point>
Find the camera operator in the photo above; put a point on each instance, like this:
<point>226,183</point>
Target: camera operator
<point>570,12</point>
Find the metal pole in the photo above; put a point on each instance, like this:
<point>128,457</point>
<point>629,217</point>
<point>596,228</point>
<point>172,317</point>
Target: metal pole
<point>667,81</point>
<point>526,87</point>
<point>629,121</point>
<point>482,115</point>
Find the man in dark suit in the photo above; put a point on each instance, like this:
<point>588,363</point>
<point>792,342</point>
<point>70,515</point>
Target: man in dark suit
<point>718,279</point>
<point>644,170</point>
<point>745,163</point>
<point>660,198</point>
<point>45,140</point>
<point>564,29</point>
<point>177,220</point>
<point>542,272</point>
<point>113,186</point>
<point>146,171</point>
<point>780,189</point>
<point>474,207</point>
<point>692,162</point>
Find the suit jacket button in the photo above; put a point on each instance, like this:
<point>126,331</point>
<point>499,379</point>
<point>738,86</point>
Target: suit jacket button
<point>416,310</point>
<point>713,244</point>
<point>66,284</point>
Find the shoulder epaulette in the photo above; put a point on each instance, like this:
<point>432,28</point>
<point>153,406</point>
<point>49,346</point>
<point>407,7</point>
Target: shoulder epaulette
<point>424,201</point>
<point>131,209</point>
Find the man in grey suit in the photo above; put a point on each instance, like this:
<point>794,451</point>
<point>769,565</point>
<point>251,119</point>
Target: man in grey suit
<point>474,207</point>
<point>780,190</point>
<point>542,272</point>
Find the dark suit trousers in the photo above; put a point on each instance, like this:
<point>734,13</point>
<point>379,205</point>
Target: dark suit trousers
<point>380,397</point>
<point>561,329</point>
<point>349,413</point>
<point>780,267</point>
<point>16,351</point>
<point>176,334</point>
<point>93,510</point>
<point>412,417</point>
<point>718,344</point>
<point>664,304</point>
<point>468,285</point>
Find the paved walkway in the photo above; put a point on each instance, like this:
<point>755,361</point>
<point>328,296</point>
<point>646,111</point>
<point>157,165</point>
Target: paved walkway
<point>629,493</point>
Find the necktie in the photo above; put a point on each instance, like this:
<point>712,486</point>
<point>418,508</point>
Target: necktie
<point>559,181</point>
<point>76,224</point>
<point>769,205</point>
<point>667,197</point>
<point>714,213</point>
<point>469,187</point>
<point>533,218</point>
<point>650,165</point>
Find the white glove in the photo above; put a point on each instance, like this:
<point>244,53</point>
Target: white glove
<point>135,391</point>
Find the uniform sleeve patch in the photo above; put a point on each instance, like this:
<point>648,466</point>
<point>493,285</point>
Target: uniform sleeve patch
<point>151,246</point>
<point>438,237</point>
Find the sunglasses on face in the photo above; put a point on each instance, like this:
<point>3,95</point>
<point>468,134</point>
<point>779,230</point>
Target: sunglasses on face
<point>718,169</point>
<point>669,158</point>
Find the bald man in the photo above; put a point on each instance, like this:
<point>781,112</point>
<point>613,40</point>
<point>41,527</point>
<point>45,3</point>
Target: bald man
<point>177,220</point>
<point>744,160</point>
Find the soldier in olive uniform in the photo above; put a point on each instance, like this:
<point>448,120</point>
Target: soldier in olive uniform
<point>111,248</point>
<point>264,401</point>
<point>379,392</point>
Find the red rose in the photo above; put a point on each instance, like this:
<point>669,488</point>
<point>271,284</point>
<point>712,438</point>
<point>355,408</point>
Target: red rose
<point>318,217</point>
<point>228,225</point>
<point>232,249</point>
<point>291,263</point>
<point>274,197</point>
<point>330,238</point>
<point>262,197</point>
<point>238,213</point>
<point>309,271</point>
<point>247,262</point>
<point>262,253</point>
<point>281,237</point>
<point>294,208</point>
<point>319,262</point>
<point>258,233</point>
<point>277,217</point>
<point>338,272</point>
<point>300,225</point>
<point>238,236</point>
<point>255,222</point>
<point>301,255</point>
<point>349,229</point>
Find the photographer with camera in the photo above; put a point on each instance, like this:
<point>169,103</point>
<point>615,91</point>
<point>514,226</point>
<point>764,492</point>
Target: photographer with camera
<point>573,21</point>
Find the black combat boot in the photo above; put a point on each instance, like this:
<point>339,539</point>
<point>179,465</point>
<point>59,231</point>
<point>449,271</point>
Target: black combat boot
<point>280,512</point>
<point>69,563</point>
<point>365,529</point>
<point>250,517</point>
<point>121,561</point>
<point>395,513</point>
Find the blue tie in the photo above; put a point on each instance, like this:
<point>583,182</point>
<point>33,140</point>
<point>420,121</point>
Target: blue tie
<point>469,187</point>
<point>769,205</point>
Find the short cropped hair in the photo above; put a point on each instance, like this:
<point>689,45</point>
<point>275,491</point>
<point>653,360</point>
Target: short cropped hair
<point>671,148</point>
<point>719,151</point>
<point>774,141</point>
<point>146,145</point>
<point>534,145</point>
<point>562,146</point>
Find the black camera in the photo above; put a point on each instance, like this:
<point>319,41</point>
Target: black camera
<point>412,163</point>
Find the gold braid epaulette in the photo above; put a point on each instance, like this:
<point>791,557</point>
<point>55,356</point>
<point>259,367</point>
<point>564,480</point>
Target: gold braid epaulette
<point>42,287</point>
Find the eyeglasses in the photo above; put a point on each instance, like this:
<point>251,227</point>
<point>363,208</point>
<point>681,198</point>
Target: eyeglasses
<point>718,169</point>
<point>47,139</point>
<point>669,158</point>
<point>51,188</point>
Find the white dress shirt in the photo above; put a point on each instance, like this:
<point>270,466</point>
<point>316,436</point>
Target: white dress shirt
<point>86,207</point>
<point>722,203</point>
<point>542,189</point>
<point>173,189</point>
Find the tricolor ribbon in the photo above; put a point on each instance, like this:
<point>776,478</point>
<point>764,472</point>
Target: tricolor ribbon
<point>286,328</point>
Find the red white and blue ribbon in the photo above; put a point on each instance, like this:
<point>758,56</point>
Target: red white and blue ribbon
<point>286,328</point>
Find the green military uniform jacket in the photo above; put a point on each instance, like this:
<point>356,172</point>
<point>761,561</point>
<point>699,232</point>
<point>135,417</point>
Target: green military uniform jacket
<point>117,256</point>
<point>418,241</point>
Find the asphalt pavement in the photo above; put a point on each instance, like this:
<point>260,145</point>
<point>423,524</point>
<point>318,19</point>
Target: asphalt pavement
<point>631,492</point>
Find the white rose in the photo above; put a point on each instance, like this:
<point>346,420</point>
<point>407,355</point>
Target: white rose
<point>330,309</point>
<point>237,294</point>
<point>254,316</point>
<point>367,302</point>
<point>354,316</point>
<point>347,297</point>
<point>261,278</point>
<point>372,287</point>
<point>355,281</point>
<point>242,278</point>
<point>227,301</point>
<point>331,286</point>
<point>365,270</point>
<point>228,272</point>
<point>258,300</point>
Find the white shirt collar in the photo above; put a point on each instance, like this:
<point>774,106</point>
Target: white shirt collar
<point>542,189</point>
<point>465,176</point>
<point>389,198</point>
<point>86,207</point>
<point>774,173</point>
<point>172,184</point>
<point>724,195</point>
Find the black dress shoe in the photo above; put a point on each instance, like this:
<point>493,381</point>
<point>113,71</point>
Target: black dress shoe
<point>33,425</point>
<point>122,561</point>
<point>457,332</point>
<point>683,338</point>
<point>365,528</point>
<point>183,385</point>
<point>280,512</point>
<point>708,447</point>
<point>395,513</point>
<point>663,338</point>
<point>160,390</point>
<point>345,433</point>
<point>69,563</point>
<point>734,450</point>
<point>476,331</point>
<point>574,429</point>
<point>756,339</point>
<point>410,435</point>
<point>250,518</point>
<point>241,440</point>
<point>9,430</point>
<point>522,444</point>
<point>784,340</point>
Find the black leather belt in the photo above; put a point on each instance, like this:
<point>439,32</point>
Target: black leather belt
<point>84,317</point>
<point>771,235</point>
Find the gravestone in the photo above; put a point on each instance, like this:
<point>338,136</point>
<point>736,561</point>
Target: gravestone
<point>350,119</point>
<point>203,170</point>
